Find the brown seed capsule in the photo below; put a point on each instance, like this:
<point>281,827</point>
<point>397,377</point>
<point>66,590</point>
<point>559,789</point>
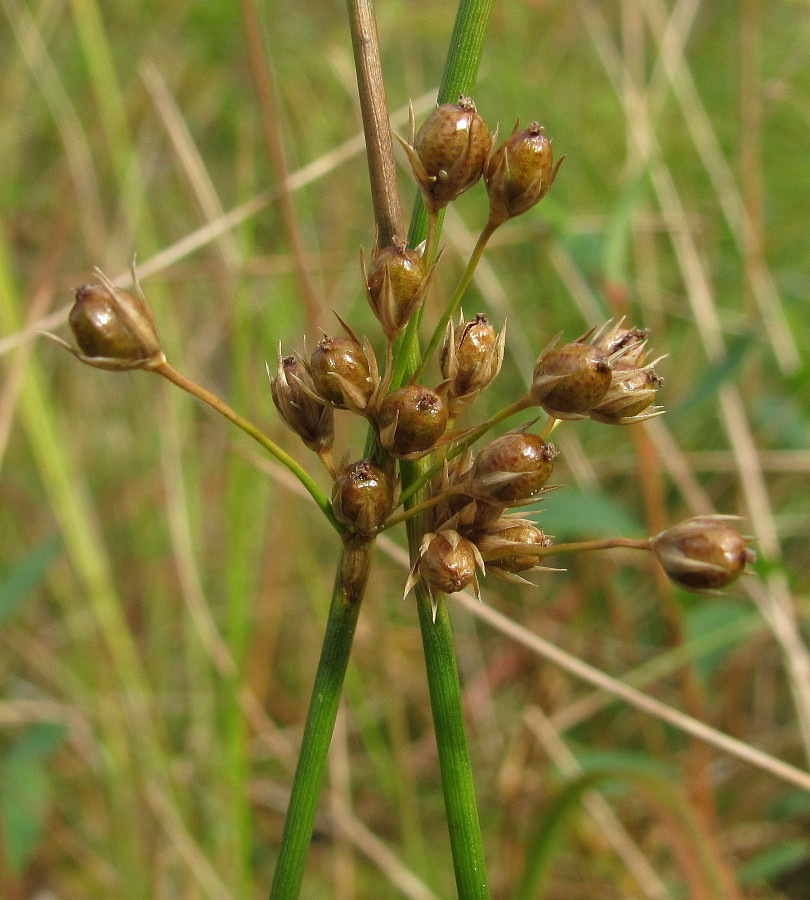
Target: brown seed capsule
<point>312,421</point>
<point>449,152</point>
<point>411,420</point>
<point>569,381</point>
<point>448,563</point>
<point>632,342</point>
<point>702,554</point>
<point>629,397</point>
<point>337,362</point>
<point>512,468</point>
<point>396,285</point>
<point>520,173</point>
<point>362,496</point>
<point>506,534</point>
<point>114,329</point>
<point>471,359</point>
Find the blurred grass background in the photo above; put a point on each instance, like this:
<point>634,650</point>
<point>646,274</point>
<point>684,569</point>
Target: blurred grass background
<point>163,589</point>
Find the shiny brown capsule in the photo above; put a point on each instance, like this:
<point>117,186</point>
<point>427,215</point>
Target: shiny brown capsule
<point>448,154</point>
<point>412,420</point>
<point>362,496</point>
<point>114,329</point>
<point>569,381</point>
<point>512,468</point>
<point>702,554</point>
<point>629,398</point>
<point>471,359</point>
<point>312,421</point>
<point>396,284</point>
<point>504,536</point>
<point>337,362</point>
<point>520,173</point>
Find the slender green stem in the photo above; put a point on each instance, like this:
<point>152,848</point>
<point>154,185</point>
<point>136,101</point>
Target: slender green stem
<point>271,446</point>
<point>455,300</point>
<point>337,643</point>
<point>451,743</point>
<point>460,72</point>
<point>412,511</point>
<point>575,547</point>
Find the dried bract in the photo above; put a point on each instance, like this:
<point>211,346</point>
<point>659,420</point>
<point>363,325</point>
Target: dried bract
<point>702,554</point>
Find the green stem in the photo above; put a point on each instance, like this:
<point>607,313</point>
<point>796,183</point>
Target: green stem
<point>461,69</point>
<point>343,612</point>
<point>451,743</point>
<point>455,300</point>
<point>575,547</point>
<point>272,447</point>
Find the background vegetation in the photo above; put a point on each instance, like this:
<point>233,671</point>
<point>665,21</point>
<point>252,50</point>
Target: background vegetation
<point>163,589</point>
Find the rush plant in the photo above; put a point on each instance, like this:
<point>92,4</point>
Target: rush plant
<point>457,483</point>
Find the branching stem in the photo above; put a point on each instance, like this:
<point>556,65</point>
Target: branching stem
<point>196,390</point>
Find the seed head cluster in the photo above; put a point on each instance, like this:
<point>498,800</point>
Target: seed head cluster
<point>469,501</point>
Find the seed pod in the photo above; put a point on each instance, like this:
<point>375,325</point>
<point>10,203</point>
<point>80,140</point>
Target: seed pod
<point>569,381</point>
<point>447,563</point>
<point>507,534</point>
<point>470,361</point>
<point>702,554</point>
<point>292,389</point>
<point>396,284</point>
<point>448,154</point>
<point>341,372</point>
<point>114,329</point>
<point>632,342</point>
<point>512,468</point>
<point>629,397</point>
<point>411,421</point>
<point>520,173</point>
<point>362,496</point>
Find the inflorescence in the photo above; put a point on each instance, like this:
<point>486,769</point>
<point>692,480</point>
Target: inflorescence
<point>467,499</point>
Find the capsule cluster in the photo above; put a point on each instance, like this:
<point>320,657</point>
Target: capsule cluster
<point>470,525</point>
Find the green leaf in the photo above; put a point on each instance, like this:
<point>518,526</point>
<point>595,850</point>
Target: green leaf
<point>25,792</point>
<point>570,515</point>
<point>773,862</point>
<point>24,576</point>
